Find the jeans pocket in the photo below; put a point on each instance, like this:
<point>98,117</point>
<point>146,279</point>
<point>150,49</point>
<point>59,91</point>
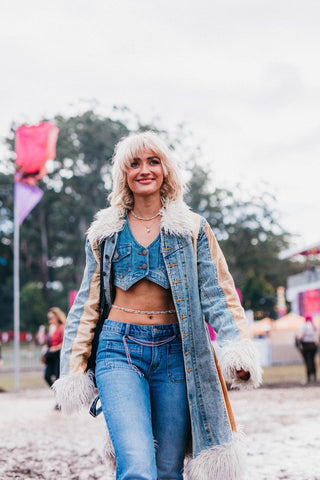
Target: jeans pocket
<point>118,356</point>
<point>175,363</point>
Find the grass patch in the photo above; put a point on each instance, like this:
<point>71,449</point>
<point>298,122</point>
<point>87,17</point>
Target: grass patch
<point>284,373</point>
<point>28,380</point>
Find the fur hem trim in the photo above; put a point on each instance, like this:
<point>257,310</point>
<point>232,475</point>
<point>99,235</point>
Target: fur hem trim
<point>241,355</point>
<point>74,392</point>
<point>222,462</point>
<point>176,219</point>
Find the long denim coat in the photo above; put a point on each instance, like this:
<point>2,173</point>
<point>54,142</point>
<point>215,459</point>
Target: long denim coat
<point>203,292</point>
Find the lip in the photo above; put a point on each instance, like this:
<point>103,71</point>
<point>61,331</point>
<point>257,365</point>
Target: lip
<point>145,181</point>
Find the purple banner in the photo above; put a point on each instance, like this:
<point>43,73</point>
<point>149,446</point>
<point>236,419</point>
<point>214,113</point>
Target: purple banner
<point>27,198</point>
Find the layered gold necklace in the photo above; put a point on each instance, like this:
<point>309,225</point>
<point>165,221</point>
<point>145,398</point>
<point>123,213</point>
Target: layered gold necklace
<point>145,219</point>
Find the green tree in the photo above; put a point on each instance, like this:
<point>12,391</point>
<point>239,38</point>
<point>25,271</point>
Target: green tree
<point>250,235</point>
<point>33,307</point>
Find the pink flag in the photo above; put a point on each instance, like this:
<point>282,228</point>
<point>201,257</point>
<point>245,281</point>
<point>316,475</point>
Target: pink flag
<point>26,197</point>
<point>34,146</point>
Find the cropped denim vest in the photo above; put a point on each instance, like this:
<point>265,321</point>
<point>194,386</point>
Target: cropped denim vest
<point>132,262</point>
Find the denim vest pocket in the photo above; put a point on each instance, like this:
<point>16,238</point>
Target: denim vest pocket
<point>121,261</point>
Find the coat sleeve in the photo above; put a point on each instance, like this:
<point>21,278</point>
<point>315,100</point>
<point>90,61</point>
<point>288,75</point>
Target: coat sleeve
<point>75,387</point>
<point>221,308</point>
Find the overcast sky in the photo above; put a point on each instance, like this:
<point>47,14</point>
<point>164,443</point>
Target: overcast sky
<point>244,76</point>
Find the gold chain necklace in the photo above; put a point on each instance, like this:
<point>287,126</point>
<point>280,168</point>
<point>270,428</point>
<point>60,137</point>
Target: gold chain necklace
<point>145,219</point>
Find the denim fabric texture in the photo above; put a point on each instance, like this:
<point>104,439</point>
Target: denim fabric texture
<point>131,261</point>
<point>206,407</point>
<point>141,383</point>
<point>203,292</point>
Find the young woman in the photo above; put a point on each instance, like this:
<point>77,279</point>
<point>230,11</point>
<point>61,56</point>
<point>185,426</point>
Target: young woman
<point>308,336</point>
<point>164,277</point>
<point>57,321</point>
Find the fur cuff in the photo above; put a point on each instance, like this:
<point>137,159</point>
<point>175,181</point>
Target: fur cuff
<point>241,355</point>
<point>74,392</point>
<point>223,462</point>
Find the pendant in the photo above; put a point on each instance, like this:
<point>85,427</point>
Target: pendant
<point>148,229</point>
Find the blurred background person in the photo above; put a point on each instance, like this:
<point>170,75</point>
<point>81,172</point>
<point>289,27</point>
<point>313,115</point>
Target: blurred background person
<point>308,339</point>
<point>51,357</point>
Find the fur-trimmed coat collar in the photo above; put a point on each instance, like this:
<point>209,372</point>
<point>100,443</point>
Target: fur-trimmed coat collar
<point>176,219</point>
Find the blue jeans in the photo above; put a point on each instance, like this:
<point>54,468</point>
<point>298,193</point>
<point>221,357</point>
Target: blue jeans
<point>141,382</point>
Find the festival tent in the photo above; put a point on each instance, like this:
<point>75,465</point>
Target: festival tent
<point>261,327</point>
<point>291,321</point>
<point>282,339</point>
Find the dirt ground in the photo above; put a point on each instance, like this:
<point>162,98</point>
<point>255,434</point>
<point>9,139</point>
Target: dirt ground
<point>281,426</point>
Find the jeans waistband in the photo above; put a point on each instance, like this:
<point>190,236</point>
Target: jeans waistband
<point>141,330</point>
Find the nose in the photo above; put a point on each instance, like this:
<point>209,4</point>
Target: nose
<point>144,168</point>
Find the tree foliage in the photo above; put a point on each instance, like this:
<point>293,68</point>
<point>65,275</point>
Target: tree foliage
<point>52,236</point>
<point>250,236</point>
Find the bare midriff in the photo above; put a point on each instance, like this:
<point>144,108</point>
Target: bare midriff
<point>144,296</point>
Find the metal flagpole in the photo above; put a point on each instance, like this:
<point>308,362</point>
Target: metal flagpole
<point>16,294</point>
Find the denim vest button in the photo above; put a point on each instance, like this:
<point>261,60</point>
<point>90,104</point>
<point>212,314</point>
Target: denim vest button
<point>144,252</point>
<point>144,266</point>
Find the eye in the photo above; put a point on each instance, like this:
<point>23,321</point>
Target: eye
<point>134,164</point>
<point>155,161</point>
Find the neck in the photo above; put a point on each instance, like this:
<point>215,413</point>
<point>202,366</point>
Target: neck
<point>146,206</point>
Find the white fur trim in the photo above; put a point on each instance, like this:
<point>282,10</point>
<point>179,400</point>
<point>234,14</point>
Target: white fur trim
<point>241,355</point>
<point>74,392</point>
<point>222,462</point>
<point>176,219</point>
<point>106,222</point>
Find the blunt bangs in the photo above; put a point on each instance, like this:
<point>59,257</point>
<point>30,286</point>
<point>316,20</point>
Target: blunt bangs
<point>133,145</point>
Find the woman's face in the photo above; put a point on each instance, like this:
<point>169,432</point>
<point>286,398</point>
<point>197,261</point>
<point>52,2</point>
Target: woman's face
<point>145,174</point>
<point>52,318</point>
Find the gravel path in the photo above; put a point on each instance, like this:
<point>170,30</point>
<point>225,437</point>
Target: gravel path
<point>282,428</point>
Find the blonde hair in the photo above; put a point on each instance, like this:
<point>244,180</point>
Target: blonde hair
<point>59,314</point>
<point>130,147</point>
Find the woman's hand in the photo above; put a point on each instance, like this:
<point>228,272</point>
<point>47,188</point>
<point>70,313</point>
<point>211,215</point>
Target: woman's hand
<point>243,375</point>
<point>56,348</point>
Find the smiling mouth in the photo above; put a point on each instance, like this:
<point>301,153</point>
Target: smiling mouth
<point>145,180</point>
